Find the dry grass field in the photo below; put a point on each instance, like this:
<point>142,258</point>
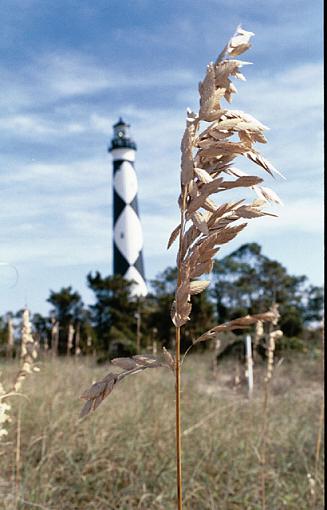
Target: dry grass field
<point>122,457</point>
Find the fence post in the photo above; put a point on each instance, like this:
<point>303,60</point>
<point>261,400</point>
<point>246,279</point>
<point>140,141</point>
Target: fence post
<point>249,363</point>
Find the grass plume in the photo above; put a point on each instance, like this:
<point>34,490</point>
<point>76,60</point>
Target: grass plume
<point>207,158</point>
<point>123,456</point>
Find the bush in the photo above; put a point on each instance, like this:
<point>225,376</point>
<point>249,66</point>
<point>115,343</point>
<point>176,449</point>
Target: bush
<point>291,344</point>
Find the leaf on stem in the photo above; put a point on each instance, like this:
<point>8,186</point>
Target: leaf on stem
<point>198,286</point>
<point>241,323</point>
<point>95,395</point>
<point>173,236</point>
<point>169,359</point>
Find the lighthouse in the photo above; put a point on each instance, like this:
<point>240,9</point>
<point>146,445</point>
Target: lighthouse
<point>127,229</point>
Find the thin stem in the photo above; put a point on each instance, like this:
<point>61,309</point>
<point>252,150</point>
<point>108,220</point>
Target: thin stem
<point>17,456</point>
<point>264,446</point>
<point>265,424</point>
<point>178,421</point>
<point>318,442</point>
<point>185,353</point>
<point>321,415</point>
<point>178,367</point>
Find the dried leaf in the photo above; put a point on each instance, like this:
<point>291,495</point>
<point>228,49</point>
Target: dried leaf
<point>268,194</point>
<point>222,210</point>
<point>198,286</point>
<point>202,268</point>
<point>87,407</point>
<point>195,204</point>
<point>240,323</point>
<point>146,360</point>
<point>221,223</point>
<point>258,202</point>
<point>244,181</point>
<point>203,175</point>
<point>182,294</point>
<point>219,184</point>
<point>225,235</point>
<point>208,254</point>
<point>200,223</point>
<point>227,148</point>
<point>209,205</point>
<point>109,386</point>
<point>125,363</point>
<point>193,189</point>
<point>239,114</point>
<point>94,391</point>
<point>101,389</point>
<point>257,158</point>
<point>188,239</point>
<point>97,393</point>
<point>207,90</point>
<point>240,42</point>
<point>212,187</point>
<point>180,318</point>
<point>97,401</point>
<point>246,211</point>
<point>169,359</point>
<point>173,236</point>
<point>187,157</point>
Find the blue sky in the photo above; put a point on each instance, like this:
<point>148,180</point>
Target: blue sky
<point>69,69</point>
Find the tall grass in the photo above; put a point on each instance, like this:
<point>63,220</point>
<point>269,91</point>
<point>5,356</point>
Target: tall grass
<point>124,459</point>
<point>207,159</point>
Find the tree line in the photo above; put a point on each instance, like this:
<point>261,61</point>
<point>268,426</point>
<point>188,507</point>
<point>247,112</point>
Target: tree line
<point>244,282</point>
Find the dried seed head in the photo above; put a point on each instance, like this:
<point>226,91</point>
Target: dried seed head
<point>4,413</point>
<point>99,390</point>
<point>28,353</point>
<point>201,175</point>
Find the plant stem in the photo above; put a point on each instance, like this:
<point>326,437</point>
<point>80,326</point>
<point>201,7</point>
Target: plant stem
<point>265,425</point>
<point>264,446</point>
<point>321,415</point>
<point>17,456</point>
<point>178,364</point>
<point>178,421</point>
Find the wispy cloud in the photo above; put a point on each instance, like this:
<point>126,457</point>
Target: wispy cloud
<point>80,185</point>
<point>60,100</point>
<point>55,76</point>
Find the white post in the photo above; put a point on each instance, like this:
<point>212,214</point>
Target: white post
<point>249,363</point>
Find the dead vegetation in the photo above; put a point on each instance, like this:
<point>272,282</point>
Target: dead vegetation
<point>207,158</point>
<point>124,460</point>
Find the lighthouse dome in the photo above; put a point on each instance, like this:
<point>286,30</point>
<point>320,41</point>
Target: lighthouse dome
<point>122,138</point>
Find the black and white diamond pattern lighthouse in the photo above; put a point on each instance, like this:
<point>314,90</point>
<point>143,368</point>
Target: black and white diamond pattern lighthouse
<point>128,237</point>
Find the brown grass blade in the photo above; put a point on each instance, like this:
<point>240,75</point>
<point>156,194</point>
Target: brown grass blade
<point>173,236</point>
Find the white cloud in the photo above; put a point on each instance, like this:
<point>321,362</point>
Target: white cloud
<point>76,74</point>
<point>59,213</point>
<point>35,127</point>
<point>56,76</point>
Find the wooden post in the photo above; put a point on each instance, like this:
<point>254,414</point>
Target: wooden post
<point>10,341</point>
<point>70,337</point>
<point>215,357</point>
<point>138,331</point>
<point>78,339</point>
<point>249,364</point>
<point>154,341</point>
<point>54,337</point>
